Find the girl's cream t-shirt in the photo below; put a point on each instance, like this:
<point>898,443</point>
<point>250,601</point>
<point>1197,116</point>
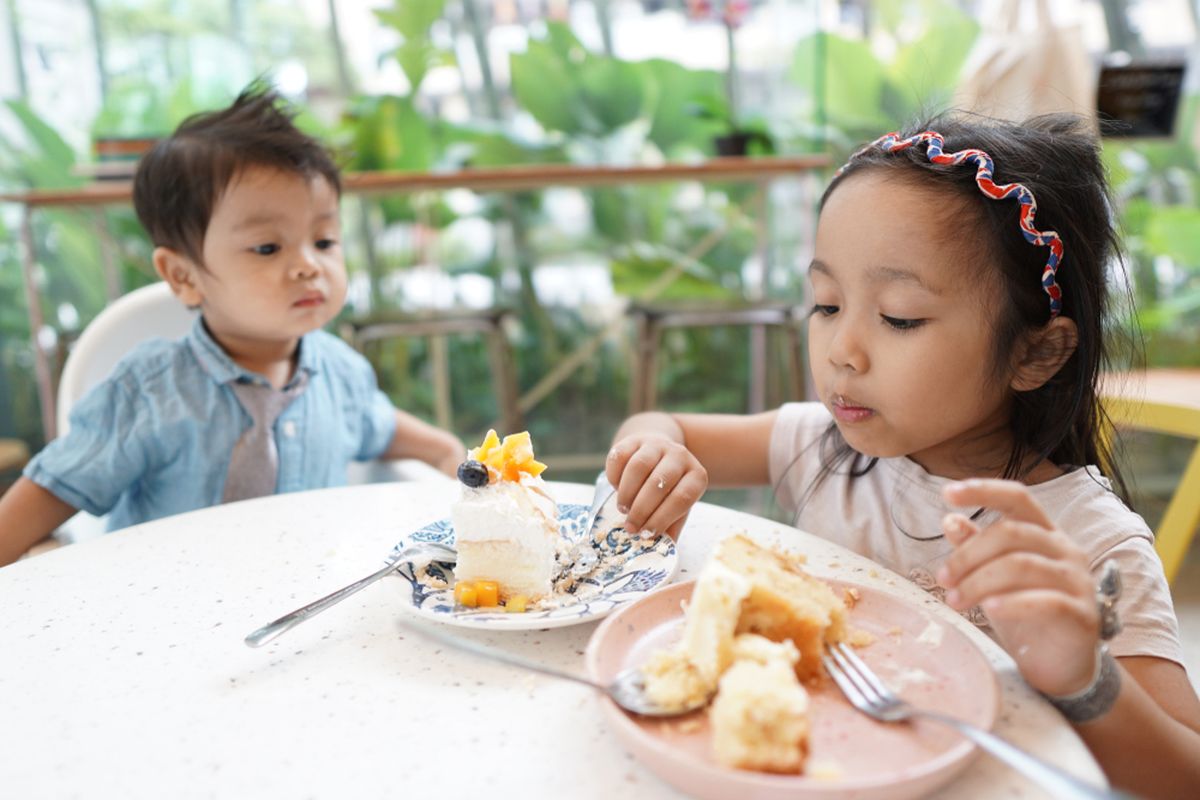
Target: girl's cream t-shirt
<point>893,515</point>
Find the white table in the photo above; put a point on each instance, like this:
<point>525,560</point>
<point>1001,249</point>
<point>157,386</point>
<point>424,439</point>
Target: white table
<point>123,673</point>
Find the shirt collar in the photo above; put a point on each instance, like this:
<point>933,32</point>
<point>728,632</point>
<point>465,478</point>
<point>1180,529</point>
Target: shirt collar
<point>222,369</point>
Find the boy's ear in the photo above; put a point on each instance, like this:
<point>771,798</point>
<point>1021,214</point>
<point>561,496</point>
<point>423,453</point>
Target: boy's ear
<point>1043,354</point>
<point>179,273</point>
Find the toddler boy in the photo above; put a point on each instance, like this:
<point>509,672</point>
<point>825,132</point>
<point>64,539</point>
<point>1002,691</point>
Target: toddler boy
<point>242,208</point>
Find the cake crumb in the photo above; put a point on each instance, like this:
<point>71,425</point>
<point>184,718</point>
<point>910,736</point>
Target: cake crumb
<point>851,596</point>
<point>689,725</point>
<point>874,573</point>
<point>895,631</point>
<point>824,770</point>
<point>859,638</point>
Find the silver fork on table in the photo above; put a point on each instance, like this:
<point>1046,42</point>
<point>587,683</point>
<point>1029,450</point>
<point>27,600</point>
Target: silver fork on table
<point>870,695</point>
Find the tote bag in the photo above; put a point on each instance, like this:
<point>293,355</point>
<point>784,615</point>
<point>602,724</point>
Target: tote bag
<point>1026,64</point>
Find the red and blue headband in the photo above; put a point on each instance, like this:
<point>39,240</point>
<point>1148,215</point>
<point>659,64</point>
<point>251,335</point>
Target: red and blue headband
<point>892,143</point>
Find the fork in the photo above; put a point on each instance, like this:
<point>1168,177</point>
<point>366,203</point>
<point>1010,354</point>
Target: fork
<point>420,551</point>
<point>870,695</point>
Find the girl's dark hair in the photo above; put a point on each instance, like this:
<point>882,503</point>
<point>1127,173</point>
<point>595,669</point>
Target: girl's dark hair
<point>179,182</point>
<point>1058,158</point>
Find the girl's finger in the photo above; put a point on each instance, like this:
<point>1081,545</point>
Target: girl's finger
<point>1010,498</point>
<point>684,494</point>
<point>999,539</point>
<point>638,466</point>
<point>618,457</point>
<point>958,528</point>
<point>655,492</point>
<point>1015,572</point>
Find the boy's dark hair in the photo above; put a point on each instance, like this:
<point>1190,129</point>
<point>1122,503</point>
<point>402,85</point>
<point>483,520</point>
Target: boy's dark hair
<point>179,182</point>
<point>1057,157</point>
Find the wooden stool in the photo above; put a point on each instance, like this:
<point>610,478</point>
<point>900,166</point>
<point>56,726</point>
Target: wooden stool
<point>652,320</point>
<point>488,323</point>
<point>1164,401</point>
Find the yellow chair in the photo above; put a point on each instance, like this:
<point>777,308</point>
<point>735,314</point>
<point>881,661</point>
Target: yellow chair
<point>1164,401</point>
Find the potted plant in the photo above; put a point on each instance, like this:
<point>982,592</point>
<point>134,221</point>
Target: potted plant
<point>743,136</point>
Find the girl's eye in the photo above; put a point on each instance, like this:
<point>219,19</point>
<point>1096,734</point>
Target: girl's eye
<point>824,311</point>
<point>265,249</point>
<point>325,244</point>
<point>902,324</point>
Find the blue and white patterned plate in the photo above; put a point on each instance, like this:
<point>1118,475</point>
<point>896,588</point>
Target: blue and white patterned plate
<point>628,567</point>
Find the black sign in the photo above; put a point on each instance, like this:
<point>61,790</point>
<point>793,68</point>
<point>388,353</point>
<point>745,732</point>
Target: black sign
<point>1139,100</point>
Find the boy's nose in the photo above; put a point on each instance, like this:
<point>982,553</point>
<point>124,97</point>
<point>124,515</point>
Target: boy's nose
<point>306,264</point>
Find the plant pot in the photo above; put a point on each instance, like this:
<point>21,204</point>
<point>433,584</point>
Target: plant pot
<point>733,144</point>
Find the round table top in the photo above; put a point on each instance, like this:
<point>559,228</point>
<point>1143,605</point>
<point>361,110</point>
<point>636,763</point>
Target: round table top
<point>124,673</point>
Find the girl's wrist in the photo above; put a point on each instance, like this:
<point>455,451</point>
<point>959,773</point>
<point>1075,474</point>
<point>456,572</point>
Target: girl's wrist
<point>1098,697</point>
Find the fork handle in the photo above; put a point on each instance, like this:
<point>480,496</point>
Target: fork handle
<point>288,621</point>
<point>1060,784</point>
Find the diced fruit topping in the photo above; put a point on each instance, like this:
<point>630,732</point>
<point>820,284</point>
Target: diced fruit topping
<point>508,459</point>
<point>516,604</point>
<point>478,594</point>
<point>487,593</point>
<point>465,595</point>
<point>473,474</point>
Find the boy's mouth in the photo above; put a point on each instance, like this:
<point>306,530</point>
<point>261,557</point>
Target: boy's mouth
<point>846,409</point>
<point>310,299</point>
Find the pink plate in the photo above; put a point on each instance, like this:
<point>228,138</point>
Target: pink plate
<point>928,662</point>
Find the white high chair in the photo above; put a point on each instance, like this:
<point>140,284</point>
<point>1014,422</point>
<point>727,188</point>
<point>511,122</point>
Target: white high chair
<point>146,313</point>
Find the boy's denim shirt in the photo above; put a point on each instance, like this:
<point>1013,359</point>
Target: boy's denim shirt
<point>155,437</point>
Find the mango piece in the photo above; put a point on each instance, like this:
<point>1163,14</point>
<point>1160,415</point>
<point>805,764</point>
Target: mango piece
<point>517,604</point>
<point>487,593</point>
<point>465,594</point>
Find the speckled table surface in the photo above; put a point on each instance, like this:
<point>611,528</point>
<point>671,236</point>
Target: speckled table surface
<point>123,673</point>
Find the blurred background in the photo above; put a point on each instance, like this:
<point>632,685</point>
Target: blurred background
<point>566,264</point>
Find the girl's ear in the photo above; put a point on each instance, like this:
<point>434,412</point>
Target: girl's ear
<point>1043,354</point>
<point>179,272</point>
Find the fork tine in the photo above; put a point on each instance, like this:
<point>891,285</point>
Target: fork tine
<point>861,669</point>
<point>849,670</point>
<point>842,679</point>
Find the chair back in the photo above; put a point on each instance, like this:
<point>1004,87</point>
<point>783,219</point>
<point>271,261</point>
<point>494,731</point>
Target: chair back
<point>146,313</point>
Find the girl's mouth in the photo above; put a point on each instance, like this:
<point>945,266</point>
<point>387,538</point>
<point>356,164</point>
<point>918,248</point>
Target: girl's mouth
<point>846,410</point>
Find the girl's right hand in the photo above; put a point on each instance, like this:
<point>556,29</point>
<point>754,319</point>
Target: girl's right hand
<point>658,481</point>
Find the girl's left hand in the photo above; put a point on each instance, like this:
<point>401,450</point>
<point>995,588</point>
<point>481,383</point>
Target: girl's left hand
<point>1031,580</point>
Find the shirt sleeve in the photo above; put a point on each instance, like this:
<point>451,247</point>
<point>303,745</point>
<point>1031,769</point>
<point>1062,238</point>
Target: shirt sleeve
<point>1149,625</point>
<point>100,457</point>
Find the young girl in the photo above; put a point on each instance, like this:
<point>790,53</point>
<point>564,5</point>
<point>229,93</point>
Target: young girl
<point>955,343</point>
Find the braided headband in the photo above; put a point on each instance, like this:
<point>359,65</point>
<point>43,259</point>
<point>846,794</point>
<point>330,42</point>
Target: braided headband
<point>892,143</point>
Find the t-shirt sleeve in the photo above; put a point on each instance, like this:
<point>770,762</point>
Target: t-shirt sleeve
<point>1149,624</point>
<point>794,457</point>
<point>103,453</point>
<point>378,414</point>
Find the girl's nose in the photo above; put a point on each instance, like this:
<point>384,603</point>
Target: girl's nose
<point>846,348</point>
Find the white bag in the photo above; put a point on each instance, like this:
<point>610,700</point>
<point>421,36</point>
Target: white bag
<point>1020,68</point>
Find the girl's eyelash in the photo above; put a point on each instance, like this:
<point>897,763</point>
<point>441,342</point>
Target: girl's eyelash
<point>325,244</point>
<point>902,324</point>
<point>266,249</point>
<point>823,310</point>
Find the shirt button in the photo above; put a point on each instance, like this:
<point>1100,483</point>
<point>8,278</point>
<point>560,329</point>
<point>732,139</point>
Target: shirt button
<point>289,428</point>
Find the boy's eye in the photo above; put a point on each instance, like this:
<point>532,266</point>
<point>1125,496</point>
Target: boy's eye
<point>325,244</point>
<point>265,249</point>
<point>824,311</point>
<point>902,324</point>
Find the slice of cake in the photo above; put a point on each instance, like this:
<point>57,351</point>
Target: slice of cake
<point>687,674</point>
<point>505,523</point>
<point>744,588</point>
<point>760,717</point>
<point>785,602</point>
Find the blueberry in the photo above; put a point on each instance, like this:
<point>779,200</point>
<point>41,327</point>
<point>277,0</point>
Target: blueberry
<point>473,474</point>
